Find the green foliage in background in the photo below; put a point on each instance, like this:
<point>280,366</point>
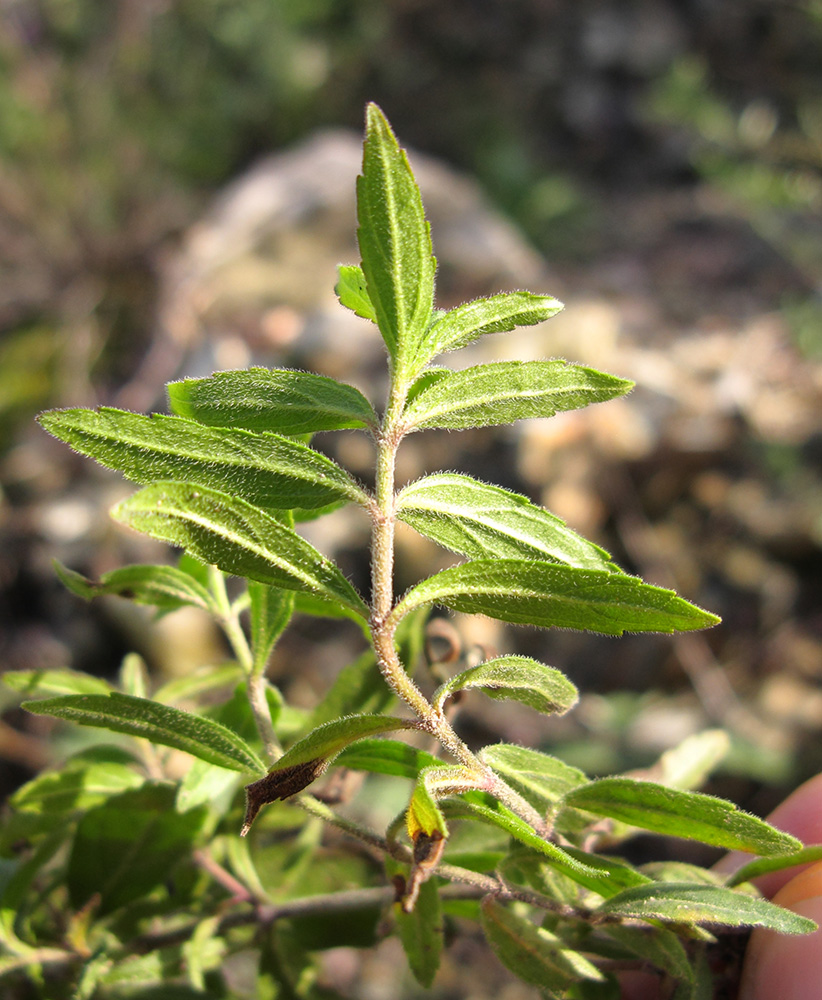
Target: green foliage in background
<point>122,878</point>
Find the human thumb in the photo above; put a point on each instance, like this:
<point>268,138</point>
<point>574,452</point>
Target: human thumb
<point>783,966</point>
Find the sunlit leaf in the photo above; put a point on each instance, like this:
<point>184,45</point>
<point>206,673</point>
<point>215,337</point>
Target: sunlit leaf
<point>516,678</point>
<point>271,399</point>
<point>693,815</point>
<point>394,241</point>
<point>54,682</point>
<point>352,291</point>
<point>384,756</point>
<point>77,786</point>
<point>478,520</point>
<point>237,538</point>
<point>164,587</point>
<point>266,469</point>
<point>780,862</point>
<point>496,314</point>
<point>505,391</point>
<point>270,613</point>
<point>688,903</point>
<point>541,779</point>
<point>530,592</point>
<point>171,727</point>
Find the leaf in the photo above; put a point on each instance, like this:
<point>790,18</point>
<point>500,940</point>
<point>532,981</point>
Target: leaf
<point>202,680</point>
<point>478,520</point>
<point>505,391</point>
<point>688,764</point>
<point>126,847</point>
<point>164,587</point>
<point>171,727</point>
<point>531,592</point>
<point>309,757</point>
<point>517,678</point>
<point>484,807</point>
<point>384,756</point>
<point>541,779</point>
<point>231,534</point>
<point>421,932</point>
<point>495,314</point>
<point>654,944</point>
<point>681,814</point>
<point>684,903</point>
<point>271,399</point>
<point>424,818</point>
<point>394,241</point>
<point>77,786</point>
<point>54,682</point>
<point>532,953</point>
<point>779,862</point>
<point>266,469</point>
<point>271,610</point>
<point>352,291</point>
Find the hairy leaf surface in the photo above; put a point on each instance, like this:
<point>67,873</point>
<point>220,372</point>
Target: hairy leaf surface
<point>171,727</point>
<point>394,241</point>
<point>352,291</point>
<point>518,678</point>
<point>546,594</point>
<point>495,314</point>
<point>479,521</point>
<point>237,537</point>
<point>271,399</point>
<point>266,469</point>
<point>541,779</point>
<point>505,391</point>
<point>164,587</point>
<point>681,814</point>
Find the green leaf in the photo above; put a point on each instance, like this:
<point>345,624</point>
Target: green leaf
<point>352,291</point>
<point>532,953</point>
<point>421,933</point>
<point>271,610</point>
<point>164,587</point>
<point>484,807</point>
<point>496,314</point>
<point>78,786</point>
<point>541,779</point>
<point>383,756</point>
<point>656,945</point>
<point>204,679</point>
<point>681,814</point>
<point>394,241</point>
<point>128,846</point>
<point>684,903</point>
<point>505,391</point>
<point>516,678</point>
<point>424,819</point>
<point>531,592</point>
<point>271,399</point>
<point>54,682</point>
<point>478,520</point>
<point>688,764</point>
<point>309,757</point>
<point>777,863</point>
<point>238,538</point>
<point>266,469</point>
<point>161,724</point>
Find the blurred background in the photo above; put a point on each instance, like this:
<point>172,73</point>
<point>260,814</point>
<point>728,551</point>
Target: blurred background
<point>176,187</point>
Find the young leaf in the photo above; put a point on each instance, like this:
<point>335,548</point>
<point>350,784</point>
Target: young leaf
<point>688,903</point>
<point>529,592</point>
<point>681,814</point>
<point>532,953</point>
<point>352,291</point>
<point>539,778</point>
<point>271,610</point>
<point>777,863</point>
<point>271,399</point>
<point>496,314</point>
<point>505,391</point>
<point>309,757</point>
<point>238,538</point>
<point>161,724</point>
<point>517,678</point>
<point>54,682</point>
<point>478,520</point>
<point>394,241</point>
<point>165,587</point>
<point>126,847</point>
<point>266,469</point>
